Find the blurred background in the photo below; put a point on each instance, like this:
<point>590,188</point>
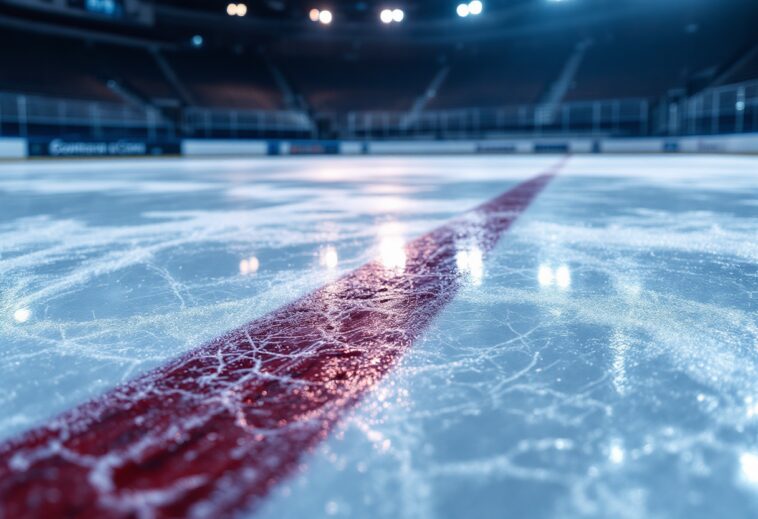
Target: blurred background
<point>347,69</point>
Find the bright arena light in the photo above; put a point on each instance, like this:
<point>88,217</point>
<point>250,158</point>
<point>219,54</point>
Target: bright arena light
<point>392,15</point>
<point>473,8</point>
<point>236,9</point>
<point>314,15</point>
<point>325,17</point>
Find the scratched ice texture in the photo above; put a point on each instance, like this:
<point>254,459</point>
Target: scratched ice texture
<point>600,363</point>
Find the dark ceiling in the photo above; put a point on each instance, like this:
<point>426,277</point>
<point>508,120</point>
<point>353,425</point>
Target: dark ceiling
<point>345,10</point>
<point>427,22</point>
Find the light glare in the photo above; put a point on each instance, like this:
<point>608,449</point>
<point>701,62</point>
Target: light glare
<point>462,10</point>
<point>545,275</point>
<point>314,14</point>
<point>470,262</point>
<point>749,467</point>
<point>241,9</point>
<point>617,455</point>
<point>392,254</point>
<point>549,276</point>
<point>22,315</point>
<point>329,258</point>
<point>563,276</point>
<point>385,16</point>
<point>398,15</point>
<point>475,7</point>
<point>231,9</point>
<point>249,266</point>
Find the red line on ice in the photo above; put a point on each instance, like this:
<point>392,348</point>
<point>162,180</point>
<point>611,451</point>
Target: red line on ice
<point>214,430</point>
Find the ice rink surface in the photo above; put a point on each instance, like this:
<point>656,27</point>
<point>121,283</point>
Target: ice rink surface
<point>600,363</point>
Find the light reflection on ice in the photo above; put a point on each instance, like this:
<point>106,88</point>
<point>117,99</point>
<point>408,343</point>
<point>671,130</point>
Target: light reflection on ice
<point>470,263</point>
<point>22,315</point>
<point>602,404</point>
<point>545,275</point>
<point>392,253</point>
<point>249,265</point>
<point>751,406</point>
<point>749,467</point>
<point>619,348</point>
<point>617,454</point>
<point>563,277</point>
<point>549,276</point>
<point>625,400</point>
<point>329,258</point>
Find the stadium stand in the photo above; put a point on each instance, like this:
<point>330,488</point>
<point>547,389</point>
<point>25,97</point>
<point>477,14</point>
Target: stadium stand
<point>746,68</point>
<point>227,79</point>
<point>518,72</point>
<point>135,68</point>
<point>342,79</point>
<point>621,63</point>
<point>45,65</point>
<point>510,76</point>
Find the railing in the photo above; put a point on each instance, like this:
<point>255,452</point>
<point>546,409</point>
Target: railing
<point>30,115</point>
<point>616,117</point>
<point>212,122</point>
<point>727,109</point>
<point>27,115</point>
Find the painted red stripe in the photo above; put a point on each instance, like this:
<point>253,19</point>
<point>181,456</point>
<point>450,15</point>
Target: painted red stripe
<point>214,430</point>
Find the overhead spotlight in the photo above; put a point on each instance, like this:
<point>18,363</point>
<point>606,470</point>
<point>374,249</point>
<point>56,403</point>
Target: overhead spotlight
<point>325,17</point>
<point>236,9</point>
<point>314,14</point>
<point>197,41</point>
<point>392,15</point>
<point>473,8</point>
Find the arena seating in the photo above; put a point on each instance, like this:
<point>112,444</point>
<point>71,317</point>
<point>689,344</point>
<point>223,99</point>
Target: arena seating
<point>372,79</point>
<point>342,77</point>
<point>518,72</point>
<point>61,67</point>
<point>227,79</point>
